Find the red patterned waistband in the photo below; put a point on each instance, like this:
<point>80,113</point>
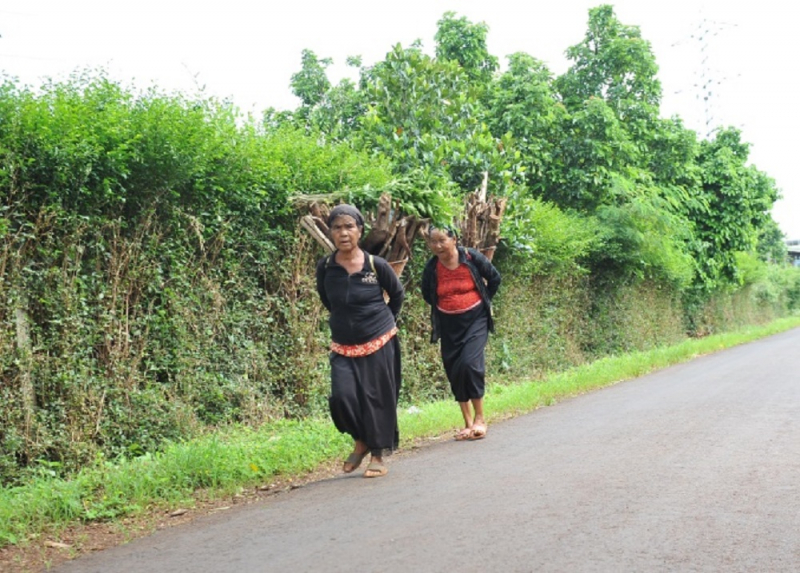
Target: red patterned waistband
<point>355,350</point>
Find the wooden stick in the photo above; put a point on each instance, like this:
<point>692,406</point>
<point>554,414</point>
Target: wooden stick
<point>307,222</point>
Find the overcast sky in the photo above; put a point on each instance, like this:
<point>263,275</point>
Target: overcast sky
<point>247,51</point>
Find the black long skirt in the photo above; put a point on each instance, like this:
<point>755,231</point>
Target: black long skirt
<point>463,341</point>
<point>364,394</point>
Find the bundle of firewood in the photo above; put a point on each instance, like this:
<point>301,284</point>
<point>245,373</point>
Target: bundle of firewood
<point>391,234</point>
<point>480,227</point>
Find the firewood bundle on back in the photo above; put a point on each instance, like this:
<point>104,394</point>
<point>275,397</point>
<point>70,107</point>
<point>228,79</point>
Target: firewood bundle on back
<point>480,227</point>
<point>391,234</point>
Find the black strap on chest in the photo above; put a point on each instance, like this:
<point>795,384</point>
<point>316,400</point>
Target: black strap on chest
<point>371,263</point>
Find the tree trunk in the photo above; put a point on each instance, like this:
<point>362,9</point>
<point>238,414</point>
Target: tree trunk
<point>25,359</point>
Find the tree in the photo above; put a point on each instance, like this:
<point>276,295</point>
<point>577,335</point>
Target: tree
<point>424,114</point>
<point>614,63</point>
<point>592,161</point>
<point>771,243</point>
<point>311,83</point>
<point>672,163</point>
<point>735,205</point>
<point>522,104</point>
<point>459,40</point>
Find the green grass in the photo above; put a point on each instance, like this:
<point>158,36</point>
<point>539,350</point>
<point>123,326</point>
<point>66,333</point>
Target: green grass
<point>223,463</point>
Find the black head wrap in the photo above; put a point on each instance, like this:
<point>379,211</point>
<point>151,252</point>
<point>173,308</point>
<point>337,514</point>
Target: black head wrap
<point>345,209</point>
<point>448,230</point>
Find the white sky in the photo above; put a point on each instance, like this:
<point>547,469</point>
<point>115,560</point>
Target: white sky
<point>247,50</point>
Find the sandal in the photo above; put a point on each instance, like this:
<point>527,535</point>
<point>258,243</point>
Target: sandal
<point>478,432</point>
<point>376,469</point>
<point>353,461</point>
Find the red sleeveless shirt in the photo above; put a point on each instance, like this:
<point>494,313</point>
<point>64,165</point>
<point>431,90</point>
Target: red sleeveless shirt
<point>455,290</point>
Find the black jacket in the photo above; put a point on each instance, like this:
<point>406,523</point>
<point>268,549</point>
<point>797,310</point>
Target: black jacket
<point>480,268</point>
<point>359,313</point>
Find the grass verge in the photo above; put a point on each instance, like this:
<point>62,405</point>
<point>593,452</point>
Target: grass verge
<point>236,458</point>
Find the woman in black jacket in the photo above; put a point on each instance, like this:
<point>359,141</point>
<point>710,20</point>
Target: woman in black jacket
<point>365,353</point>
<point>459,284</point>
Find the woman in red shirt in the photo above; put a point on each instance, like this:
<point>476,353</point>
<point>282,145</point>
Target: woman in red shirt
<point>459,284</point>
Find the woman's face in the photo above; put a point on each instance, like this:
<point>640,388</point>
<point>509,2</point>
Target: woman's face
<point>345,233</point>
<point>441,243</point>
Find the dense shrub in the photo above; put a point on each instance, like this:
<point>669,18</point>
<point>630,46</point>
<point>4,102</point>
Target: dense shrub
<point>153,281</point>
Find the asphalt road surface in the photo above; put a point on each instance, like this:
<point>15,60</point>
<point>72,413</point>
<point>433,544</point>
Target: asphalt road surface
<point>693,468</point>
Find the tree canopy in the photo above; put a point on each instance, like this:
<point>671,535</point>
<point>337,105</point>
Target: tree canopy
<point>590,141</point>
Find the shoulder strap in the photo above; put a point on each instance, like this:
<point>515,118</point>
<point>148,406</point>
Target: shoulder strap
<point>371,262</point>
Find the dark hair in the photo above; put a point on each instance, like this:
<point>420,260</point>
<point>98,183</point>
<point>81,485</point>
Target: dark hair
<point>345,209</point>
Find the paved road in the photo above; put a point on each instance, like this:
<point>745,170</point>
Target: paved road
<point>694,468</point>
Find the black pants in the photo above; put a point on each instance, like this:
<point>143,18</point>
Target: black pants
<point>364,393</point>
<point>463,341</point>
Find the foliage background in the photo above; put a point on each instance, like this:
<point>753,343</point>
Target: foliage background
<point>155,286</point>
